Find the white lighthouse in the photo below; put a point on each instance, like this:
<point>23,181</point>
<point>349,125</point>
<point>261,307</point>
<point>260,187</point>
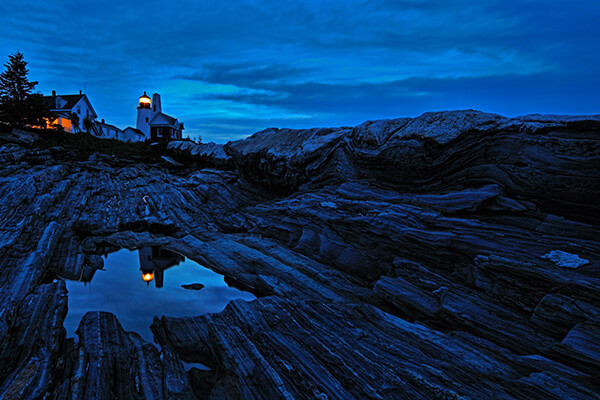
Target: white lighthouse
<point>153,123</point>
<point>144,115</point>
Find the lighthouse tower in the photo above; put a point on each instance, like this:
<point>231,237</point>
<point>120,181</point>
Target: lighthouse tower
<point>144,115</point>
<point>153,123</point>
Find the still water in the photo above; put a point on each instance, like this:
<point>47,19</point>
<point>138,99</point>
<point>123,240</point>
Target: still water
<point>138,285</point>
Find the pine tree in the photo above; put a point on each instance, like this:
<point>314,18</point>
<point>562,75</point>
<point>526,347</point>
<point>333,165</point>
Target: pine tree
<point>20,107</point>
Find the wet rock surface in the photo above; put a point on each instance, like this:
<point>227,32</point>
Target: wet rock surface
<point>454,255</point>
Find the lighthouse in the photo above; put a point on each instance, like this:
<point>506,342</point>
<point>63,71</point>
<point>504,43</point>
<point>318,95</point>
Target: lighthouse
<point>144,115</point>
<point>153,123</point>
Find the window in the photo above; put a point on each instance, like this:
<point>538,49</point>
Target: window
<point>146,119</point>
<point>78,110</point>
<point>155,107</point>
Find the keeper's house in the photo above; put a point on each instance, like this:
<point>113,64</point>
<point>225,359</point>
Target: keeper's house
<point>70,110</point>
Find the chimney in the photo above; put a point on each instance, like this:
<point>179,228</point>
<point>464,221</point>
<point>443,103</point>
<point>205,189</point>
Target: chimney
<point>102,120</point>
<point>156,106</point>
<point>80,91</point>
<point>54,93</point>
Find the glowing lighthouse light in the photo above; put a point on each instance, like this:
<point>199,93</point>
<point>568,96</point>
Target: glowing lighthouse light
<point>144,101</point>
<point>147,277</point>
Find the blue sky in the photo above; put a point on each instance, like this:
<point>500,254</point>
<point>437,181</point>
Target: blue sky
<point>230,68</point>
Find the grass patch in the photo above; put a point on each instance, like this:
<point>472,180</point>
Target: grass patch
<point>84,145</point>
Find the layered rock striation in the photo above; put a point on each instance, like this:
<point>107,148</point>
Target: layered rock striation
<point>453,255</point>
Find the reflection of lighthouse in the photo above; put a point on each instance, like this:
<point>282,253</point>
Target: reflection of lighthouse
<point>154,261</point>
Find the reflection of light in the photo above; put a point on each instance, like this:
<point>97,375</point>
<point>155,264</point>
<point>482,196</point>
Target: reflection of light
<point>148,276</point>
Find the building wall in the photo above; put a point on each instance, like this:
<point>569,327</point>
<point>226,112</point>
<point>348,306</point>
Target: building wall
<point>144,115</point>
<point>83,111</point>
<point>130,136</point>
<point>162,133</point>
<point>110,133</point>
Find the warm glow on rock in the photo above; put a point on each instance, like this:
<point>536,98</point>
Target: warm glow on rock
<point>148,276</point>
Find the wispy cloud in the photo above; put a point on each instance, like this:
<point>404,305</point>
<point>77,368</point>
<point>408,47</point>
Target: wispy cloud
<point>230,68</point>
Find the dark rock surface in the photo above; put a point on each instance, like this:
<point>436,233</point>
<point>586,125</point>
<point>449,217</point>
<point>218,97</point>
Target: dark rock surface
<point>454,255</point>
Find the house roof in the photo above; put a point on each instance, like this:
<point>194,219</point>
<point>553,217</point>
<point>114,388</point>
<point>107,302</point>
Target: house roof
<point>134,130</point>
<point>108,126</point>
<point>70,101</point>
<point>162,119</point>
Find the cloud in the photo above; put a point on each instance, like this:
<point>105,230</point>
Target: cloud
<point>509,94</point>
<point>336,105</point>
<point>242,65</point>
<point>245,74</point>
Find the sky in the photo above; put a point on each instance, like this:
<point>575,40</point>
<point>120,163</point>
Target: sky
<point>230,68</point>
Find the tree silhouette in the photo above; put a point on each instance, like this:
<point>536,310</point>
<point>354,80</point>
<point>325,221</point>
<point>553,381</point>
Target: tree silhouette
<point>20,107</point>
<point>87,124</point>
<point>75,122</point>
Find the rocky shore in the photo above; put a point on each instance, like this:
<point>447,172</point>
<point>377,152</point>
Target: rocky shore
<point>451,256</point>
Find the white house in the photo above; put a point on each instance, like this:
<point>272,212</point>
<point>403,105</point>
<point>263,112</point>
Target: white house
<point>106,131</point>
<point>153,123</point>
<point>133,135</point>
<point>65,107</point>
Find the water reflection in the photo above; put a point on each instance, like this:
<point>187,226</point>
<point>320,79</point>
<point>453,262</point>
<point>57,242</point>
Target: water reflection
<point>154,261</point>
<point>124,287</point>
